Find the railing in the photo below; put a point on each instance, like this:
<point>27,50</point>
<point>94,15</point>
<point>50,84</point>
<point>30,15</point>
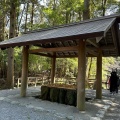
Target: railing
<point>46,80</point>
<point>33,81</point>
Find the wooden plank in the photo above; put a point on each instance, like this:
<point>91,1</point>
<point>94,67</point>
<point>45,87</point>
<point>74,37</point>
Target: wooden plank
<point>103,47</point>
<point>108,47</point>
<point>93,43</point>
<point>98,39</point>
<point>91,52</point>
<point>58,49</point>
<point>114,38</point>
<point>42,54</point>
<point>67,56</point>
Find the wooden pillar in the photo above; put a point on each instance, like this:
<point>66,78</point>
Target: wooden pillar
<point>24,71</point>
<point>99,76</point>
<point>53,68</point>
<point>81,75</point>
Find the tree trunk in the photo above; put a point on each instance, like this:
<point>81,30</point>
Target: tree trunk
<point>19,23</point>
<point>86,11</point>
<point>27,6</point>
<point>88,66</point>
<point>104,6</point>
<point>86,15</point>
<point>2,22</point>
<point>2,18</point>
<point>10,68</point>
<point>54,10</point>
<point>32,15</point>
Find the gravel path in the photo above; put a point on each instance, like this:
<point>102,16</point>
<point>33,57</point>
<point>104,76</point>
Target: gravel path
<point>14,107</point>
<point>17,112</point>
<point>113,113</point>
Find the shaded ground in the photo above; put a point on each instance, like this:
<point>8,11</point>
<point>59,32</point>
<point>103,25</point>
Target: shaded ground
<point>113,113</point>
<point>13,107</point>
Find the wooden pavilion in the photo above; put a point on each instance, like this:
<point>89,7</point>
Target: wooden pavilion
<point>91,38</point>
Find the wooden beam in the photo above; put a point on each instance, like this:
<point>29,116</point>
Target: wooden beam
<point>91,52</point>
<point>93,43</point>
<point>108,47</point>
<point>67,56</point>
<point>114,38</point>
<point>98,39</point>
<point>99,76</point>
<point>81,75</point>
<point>74,56</point>
<point>42,54</point>
<point>58,49</point>
<point>24,71</point>
<point>103,47</point>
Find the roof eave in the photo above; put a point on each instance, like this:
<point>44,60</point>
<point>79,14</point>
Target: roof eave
<point>66,38</point>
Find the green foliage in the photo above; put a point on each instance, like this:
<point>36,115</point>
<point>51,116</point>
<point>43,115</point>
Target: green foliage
<point>17,61</point>
<point>37,64</point>
<point>67,67</point>
<point>106,63</point>
<point>103,7</point>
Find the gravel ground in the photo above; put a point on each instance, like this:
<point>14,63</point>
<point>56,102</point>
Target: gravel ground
<point>14,107</point>
<point>113,113</point>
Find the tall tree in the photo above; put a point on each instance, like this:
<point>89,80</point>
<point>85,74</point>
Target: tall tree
<point>26,17</point>
<point>2,19</point>
<point>86,10</point>
<point>10,68</point>
<point>104,2</point>
<point>86,15</point>
<point>32,14</point>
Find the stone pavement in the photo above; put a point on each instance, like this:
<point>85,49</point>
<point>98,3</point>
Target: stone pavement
<point>16,108</point>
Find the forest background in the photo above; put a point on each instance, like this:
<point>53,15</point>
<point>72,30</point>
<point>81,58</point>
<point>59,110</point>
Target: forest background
<point>19,16</point>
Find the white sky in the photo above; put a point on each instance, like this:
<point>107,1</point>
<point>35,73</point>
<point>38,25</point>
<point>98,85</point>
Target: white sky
<point>43,2</point>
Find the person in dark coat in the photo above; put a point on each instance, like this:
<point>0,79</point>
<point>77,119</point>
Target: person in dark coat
<point>113,82</point>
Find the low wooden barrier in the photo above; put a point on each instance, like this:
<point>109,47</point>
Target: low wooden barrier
<point>31,81</point>
<point>66,94</point>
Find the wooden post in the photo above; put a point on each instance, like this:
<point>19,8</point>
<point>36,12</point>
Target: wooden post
<point>24,71</point>
<point>81,75</point>
<point>99,76</point>
<point>53,68</point>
